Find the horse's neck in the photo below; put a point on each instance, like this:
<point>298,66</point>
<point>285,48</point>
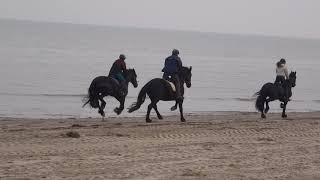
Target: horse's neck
<point>289,83</point>
<point>181,80</point>
<point>181,83</point>
<point>127,82</point>
<point>127,79</point>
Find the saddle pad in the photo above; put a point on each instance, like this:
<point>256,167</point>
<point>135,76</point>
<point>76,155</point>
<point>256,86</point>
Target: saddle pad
<point>115,80</point>
<point>173,87</point>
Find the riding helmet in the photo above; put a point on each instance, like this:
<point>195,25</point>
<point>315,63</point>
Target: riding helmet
<point>122,57</point>
<point>175,52</point>
<point>282,61</point>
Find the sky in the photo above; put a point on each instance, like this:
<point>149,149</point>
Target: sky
<point>288,18</point>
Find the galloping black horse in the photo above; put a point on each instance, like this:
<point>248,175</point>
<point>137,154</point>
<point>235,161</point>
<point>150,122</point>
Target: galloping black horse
<point>270,92</point>
<point>102,86</point>
<point>159,89</point>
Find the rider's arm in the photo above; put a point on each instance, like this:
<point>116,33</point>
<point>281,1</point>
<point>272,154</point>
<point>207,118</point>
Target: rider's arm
<point>164,67</point>
<point>286,72</point>
<point>179,64</point>
<point>123,66</point>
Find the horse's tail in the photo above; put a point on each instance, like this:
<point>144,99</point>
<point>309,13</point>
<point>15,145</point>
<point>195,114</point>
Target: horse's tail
<point>141,98</point>
<point>92,97</point>
<point>261,99</point>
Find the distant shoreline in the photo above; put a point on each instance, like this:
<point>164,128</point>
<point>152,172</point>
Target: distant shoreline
<point>158,29</point>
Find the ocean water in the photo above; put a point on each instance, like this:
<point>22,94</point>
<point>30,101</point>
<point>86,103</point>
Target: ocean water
<point>46,68</point>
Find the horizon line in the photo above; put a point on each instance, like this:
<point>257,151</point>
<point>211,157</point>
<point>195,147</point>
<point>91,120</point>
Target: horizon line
<point>163,29</point>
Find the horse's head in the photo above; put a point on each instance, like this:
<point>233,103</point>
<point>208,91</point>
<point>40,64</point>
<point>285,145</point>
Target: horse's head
<point>292,78</point>
<point>131,76</point>
<point>185,75</point>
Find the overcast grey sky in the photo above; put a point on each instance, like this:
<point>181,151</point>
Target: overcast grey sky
<point>298,18</point>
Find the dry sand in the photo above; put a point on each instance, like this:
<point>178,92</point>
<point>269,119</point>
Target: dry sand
<point>229,145</point>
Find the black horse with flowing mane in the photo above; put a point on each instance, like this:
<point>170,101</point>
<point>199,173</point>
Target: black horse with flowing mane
<point>270,92</point>
<point>103,86</point>
<point>160,90</point>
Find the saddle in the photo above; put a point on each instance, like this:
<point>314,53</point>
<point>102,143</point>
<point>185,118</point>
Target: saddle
<point>115,80</point>
<point>123,90</point>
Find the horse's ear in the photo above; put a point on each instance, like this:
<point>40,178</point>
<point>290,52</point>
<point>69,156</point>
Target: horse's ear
<point>190,68</point>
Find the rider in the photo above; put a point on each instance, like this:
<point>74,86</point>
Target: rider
<point>282,75</point>
<point>172,66</point>
<point>117,70</point>
<point>281,71</point>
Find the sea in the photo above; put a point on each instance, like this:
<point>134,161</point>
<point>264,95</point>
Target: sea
<point>46,68</point>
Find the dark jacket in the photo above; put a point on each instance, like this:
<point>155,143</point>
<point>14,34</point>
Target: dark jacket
<point>119,66</point>
<point>172,65</point>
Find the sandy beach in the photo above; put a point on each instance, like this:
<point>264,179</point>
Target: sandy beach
<point>229,145</point>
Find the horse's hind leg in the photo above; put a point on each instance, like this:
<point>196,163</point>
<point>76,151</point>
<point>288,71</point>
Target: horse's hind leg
<point>148,120</point>
<point>263,115</point>
<point>156,109</point>
<point>102,106</point>
<point>181,112</point>
<point>266,110</point>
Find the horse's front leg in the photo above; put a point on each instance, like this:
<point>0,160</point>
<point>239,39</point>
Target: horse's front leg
<point>119,109</point>
<point>156,109</point>
<point>181,112</point>
<point>173,108</point>
<point>101,108</point>
<point>284,115</point>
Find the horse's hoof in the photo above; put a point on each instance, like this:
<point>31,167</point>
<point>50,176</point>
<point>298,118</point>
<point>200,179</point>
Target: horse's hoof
<point>117,111</point>
<point>263,116</point>
<point>183,120</point>
<point>284,116</point>
<point>102,113</point>
<point>173,108</point>
<point>160,117</point>
<point>266,111</point>
<point>148,121</point>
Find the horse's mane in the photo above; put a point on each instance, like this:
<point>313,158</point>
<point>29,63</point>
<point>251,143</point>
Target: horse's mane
<point>292,74</point>
<point>128,70</point>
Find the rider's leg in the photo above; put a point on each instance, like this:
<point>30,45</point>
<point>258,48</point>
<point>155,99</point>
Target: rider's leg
<point>122,82</point>
<point>178,87</point>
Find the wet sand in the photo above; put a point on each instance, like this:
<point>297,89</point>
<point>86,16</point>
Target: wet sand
<point>229,145</point>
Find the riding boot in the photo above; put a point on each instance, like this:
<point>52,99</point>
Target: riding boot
<point>279,80</point>
<point>178,88</point>
<point>123,88</point>
<point>285,92</point>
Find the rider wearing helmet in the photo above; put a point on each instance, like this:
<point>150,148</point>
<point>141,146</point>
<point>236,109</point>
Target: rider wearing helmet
<point>282,76</point>
<point>281,71</point>
<point>172,66</point>
<point>117,70</point>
